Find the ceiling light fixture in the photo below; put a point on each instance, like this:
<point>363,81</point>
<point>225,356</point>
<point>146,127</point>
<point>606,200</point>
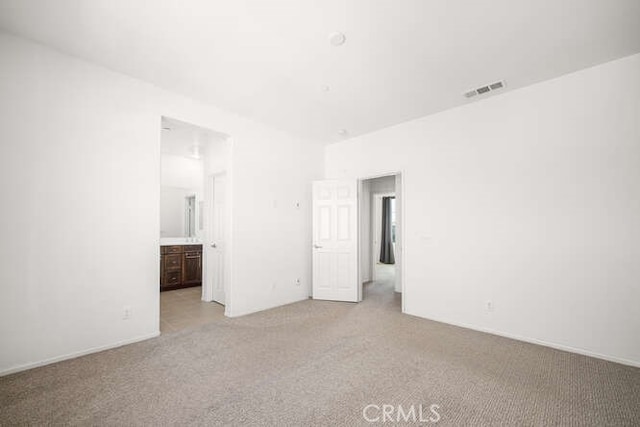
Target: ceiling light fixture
<point>195,152</point>
<point>337,39</point>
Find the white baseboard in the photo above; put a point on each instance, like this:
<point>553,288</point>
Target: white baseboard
<point>556,346</point>
<point>73,355</point>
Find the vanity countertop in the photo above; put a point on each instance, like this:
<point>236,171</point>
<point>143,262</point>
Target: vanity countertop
<point>170,241</point>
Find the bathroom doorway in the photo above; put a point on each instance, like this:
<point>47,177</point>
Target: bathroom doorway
<point>190,155</point>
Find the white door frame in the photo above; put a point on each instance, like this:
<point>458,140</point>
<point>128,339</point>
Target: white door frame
<point>399,230</point>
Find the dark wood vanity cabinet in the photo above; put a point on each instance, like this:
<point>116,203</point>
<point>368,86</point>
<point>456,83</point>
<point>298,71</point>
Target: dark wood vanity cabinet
<point>180,266</point>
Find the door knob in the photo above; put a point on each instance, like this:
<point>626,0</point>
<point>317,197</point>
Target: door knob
<point>213,245</point>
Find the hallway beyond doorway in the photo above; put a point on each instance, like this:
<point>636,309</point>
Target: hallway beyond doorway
<point>380,231</point>
<point>385,273</point>
<point>382,291</point>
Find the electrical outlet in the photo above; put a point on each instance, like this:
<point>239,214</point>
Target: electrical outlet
<point>126,312</point>
<point>489,305</point>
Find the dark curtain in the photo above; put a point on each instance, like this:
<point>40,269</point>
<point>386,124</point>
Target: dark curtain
<point>386,242</point>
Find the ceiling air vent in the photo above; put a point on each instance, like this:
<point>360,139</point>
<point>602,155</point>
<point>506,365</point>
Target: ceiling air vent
<point>485,89</point>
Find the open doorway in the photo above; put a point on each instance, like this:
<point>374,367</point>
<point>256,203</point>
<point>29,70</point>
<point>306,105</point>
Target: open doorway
<point>383,234</point>
<point>192,214</point>
<point>380,254</point>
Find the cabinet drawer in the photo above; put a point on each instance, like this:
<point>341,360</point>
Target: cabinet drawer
<point>177,249</point>
<point>172,278</point>
<point>172,261</point>
<point>192,248</point>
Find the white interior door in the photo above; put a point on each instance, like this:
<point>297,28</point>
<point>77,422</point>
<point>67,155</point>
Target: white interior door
<point>335,240</point>
<point>217,243</point>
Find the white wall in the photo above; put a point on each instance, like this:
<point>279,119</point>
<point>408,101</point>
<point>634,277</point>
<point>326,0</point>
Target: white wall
<point>271,237</point>
<point>529,199</point>
<point>80,171</point>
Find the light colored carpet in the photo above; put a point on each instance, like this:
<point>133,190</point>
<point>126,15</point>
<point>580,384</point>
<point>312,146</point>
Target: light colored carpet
<point>321,363</point>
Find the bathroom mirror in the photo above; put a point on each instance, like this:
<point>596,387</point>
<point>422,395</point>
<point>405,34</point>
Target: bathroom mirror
<point>180,215</point>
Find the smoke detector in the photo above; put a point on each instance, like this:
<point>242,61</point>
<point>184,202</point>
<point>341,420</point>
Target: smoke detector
<point>485,89</point>
<point>337,39</point>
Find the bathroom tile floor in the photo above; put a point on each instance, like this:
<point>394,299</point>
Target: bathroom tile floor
<point>183,309</point>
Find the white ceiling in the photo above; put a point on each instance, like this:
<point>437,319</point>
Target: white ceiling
<point>179,138</point>
<point>272,61</point>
